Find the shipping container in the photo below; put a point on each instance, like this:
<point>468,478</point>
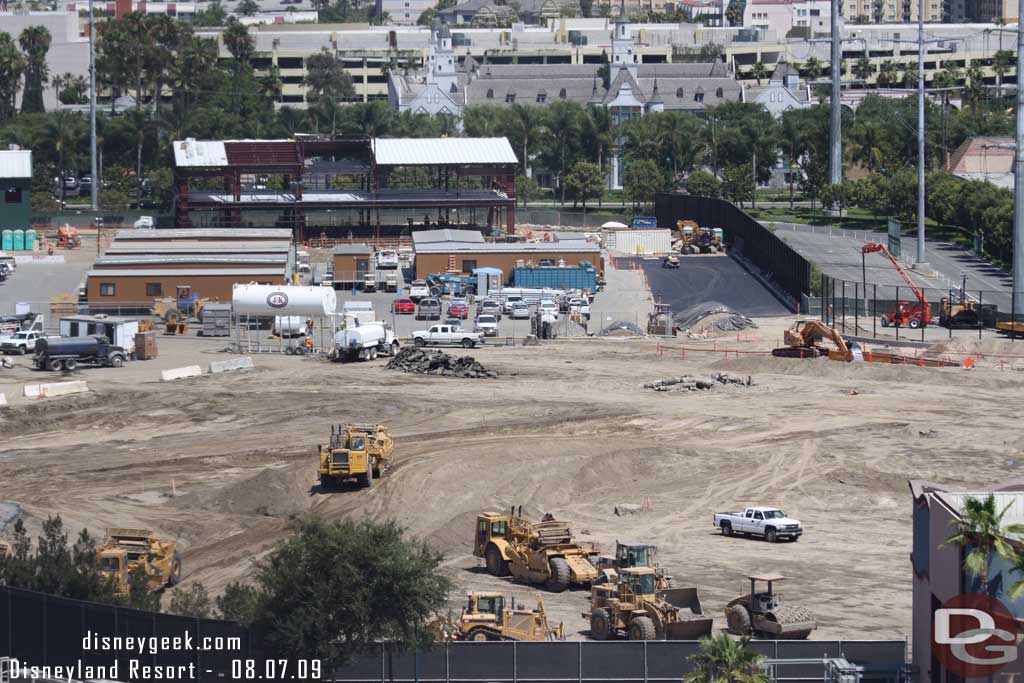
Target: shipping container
<point>639,242</point>
<point>555,278</point>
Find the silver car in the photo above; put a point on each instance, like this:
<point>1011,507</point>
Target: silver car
<point>520,310</point>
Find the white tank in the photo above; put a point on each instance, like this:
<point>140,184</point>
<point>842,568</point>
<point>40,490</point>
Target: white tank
<point>283,300</point>
<point>289,325</point>
<point>364,336</point>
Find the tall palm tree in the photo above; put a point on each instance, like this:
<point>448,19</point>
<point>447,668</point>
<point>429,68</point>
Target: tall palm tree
<point>887,73</point>
<point>563,131</point>
<point>759,71</point>
<point>1016,589</point>
<point>868,145</point>
<point>12,66</point>
<point>722,659</point>
<point>679,137</point>
<point>238,41</point>
<point>1003,61</point>
<point>979,533</point>
<point>35,43</point>
<point>63,133</point>
<point>599,131</point>
<point>525,125</point>
<point>910,75</point>
<point>813,68</point>
<point>863,68</point>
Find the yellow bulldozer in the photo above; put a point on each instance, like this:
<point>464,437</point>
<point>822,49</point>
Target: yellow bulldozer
<point>359,452</point>
<point>125,551</point>
<point>541,552</point>
<point>635,606</point>
<point>486,617</point>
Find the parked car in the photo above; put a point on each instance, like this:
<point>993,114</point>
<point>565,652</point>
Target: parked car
<point>520,310</point>
<point>771,523</point>
<point>578,304</point>
<point>429,309</point>
<point>489,307</point>
<point>419,290</point>
<point>24,342</point>
<point>548,307</point>
<point>510,301</point>
<point>387,259</point>
<point>454,322</point>
<point>446,334</point>
<point>487,325</point>
<point>403,305</point>
<point>458,310</point>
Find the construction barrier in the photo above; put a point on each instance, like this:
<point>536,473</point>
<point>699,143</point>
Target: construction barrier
<point>180,373</point>
<point>243,363</point>
<point>55,389</point>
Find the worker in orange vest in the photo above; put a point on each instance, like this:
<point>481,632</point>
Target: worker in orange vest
<point>309,344</point>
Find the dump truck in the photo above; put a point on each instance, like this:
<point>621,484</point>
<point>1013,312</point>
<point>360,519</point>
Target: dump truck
<point>487,617</point>
<point>359,452</point>
<point>762,614</point>
<point>125,551</point>
<point>541,552</point>
<point>634,606</point>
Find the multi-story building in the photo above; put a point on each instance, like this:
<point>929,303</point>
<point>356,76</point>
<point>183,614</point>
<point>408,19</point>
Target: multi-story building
<point>893,11</point>
<point>783,16</point>
<point>404,12</point>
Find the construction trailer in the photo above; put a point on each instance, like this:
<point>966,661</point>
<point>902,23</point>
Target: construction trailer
<point>120,331</point>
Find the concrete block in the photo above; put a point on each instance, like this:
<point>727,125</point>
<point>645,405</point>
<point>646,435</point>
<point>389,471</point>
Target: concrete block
<point>243,363</point>
<point>3,400</point>
<point>180,373</point>
<point>55,389</point>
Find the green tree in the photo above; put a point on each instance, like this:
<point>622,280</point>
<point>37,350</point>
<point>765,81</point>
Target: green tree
<point>812,68</point>
<point>738,184</point>
<point>35,43</point>
<point>862,69</point>
<point>1002,62</point>
<point>396,589</point>
<point>193,601</point>
<point>722,659</point>
<point>524,126</point>
<point>641,181</point>
<point>584,181</point>
<point>238,41</point>
<point>910,75</point>
<point>326,77</point>
<point>482,121</point>
<point>213,14</point>
<point>248,8</point>
<point>734,12</point>
<point>888,73</point>
<point>979,534</point>
<point>563,144</point>
<point>238,603</point>
<point>526,188</point>
<point>12,67</point>
<point>71,89</point>
<point>759,72</point>
<point>702,184</point>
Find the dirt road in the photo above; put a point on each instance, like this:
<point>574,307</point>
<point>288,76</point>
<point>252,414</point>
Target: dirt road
<point>220,462</point>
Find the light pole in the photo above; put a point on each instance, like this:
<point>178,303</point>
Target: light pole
<point>835,129</point>
<point>1018,182</point>
<point>921,263</point>
<point>95,189</point>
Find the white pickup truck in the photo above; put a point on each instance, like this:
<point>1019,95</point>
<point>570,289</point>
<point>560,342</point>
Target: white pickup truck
<point>24,342</point>
<point>387,259</point>
<point>447,334</point>
<point>772,523</point>
<point>419,290</point>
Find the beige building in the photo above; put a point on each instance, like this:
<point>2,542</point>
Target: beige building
<point>892,11</point>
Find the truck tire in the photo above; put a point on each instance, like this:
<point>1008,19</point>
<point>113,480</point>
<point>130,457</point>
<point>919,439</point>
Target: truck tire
<point>116,361</point>
<point>373,353</point>
<point>326,483</point>
<point>418,341</point>
<point>771,535</point>
<point>70,364</point>
<point>479,635</point>
<point>22,350</point>
<point>601,624</point>
<point>642,628</point>
<point>915,324</point>
<point>737,620</point>
<point>172,316</point>
<point>885,321</point>
<point>496,564</point>
<point>393,349</point>
<point>174,575</point>
<point>468,343</point>
<point>53,364</point>
<point>560,576</point>
<point>726,528</point>
<point>367,479</point>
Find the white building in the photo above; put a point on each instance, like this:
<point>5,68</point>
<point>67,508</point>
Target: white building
<point>782,16</point>
<point>405,12</point>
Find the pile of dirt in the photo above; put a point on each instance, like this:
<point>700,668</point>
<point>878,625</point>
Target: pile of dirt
<point>430,362</point>
<point>694,383</point>
<point>621,328</point>
<point>271,492</point>
<point>963,345</point>
<point>711,316</point>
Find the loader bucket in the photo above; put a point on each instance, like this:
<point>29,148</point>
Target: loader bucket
<point>692,628</point>
<point>683,598</point>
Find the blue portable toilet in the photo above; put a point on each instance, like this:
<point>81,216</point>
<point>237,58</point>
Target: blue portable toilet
<point>19,241</point>
<point>30,239</point>
<point>7,241</point>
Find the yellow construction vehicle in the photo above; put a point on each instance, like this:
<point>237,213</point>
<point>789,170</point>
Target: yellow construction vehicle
<point>804,341</point>
<point>635,606</point>
<point>184,306</point>
<point>629,555</point>
<point>763,614</point>
<point>360,452</point>
<point>542,552</point>
<point>126,550</point>
<point>486,617</point>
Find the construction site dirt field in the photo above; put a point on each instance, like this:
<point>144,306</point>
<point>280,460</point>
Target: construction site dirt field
<point>219,463</point>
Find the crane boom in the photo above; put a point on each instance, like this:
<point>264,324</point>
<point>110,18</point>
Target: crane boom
<point>872,247</point>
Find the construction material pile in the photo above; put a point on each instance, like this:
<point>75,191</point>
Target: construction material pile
<point>711,316</point>
<point>694,383</point>
<point>430,362</point>
<point>621,328</point>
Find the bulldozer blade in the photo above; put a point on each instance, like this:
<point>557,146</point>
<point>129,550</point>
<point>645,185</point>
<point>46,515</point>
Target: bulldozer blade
<point>689,629</point>
<point>683,598</point>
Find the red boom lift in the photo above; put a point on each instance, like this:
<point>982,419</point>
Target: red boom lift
<point>905,314</point>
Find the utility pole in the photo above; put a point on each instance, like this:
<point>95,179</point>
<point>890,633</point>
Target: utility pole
<point>95,188</point>
<point>835,129</point>
<point>1018,184</point>
<point>920,261</point>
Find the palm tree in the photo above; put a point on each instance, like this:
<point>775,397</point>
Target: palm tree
<point>238,41</point>
<point>599,130</point>
<point>868,145</point>
<point>887,73</point>
<point>979,534</point>
<point>35,43</point>
<point>759,71</point>
<point>63,132</point>
<point>910,75</point>
<point>524,124</point>
<point>813,68</point>
<point>271,85</point>
<point>1003,61</point>
<point>563,130</point>
<point>1016,589</point>
<point>12,66</point>
<point>863,68</point>
<point>722,659</point>
<point>974,90</point>
<point>678,137</point>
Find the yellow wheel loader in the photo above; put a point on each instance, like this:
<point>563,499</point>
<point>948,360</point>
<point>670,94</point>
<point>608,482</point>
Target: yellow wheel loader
<point>487,617</point>
<point>126,550</point>
<point>634,606</point>
<point>541,552</point>
<point>360,452</point>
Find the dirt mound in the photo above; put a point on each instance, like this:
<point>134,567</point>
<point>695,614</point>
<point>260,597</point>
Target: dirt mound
<point>693,383</point>
<point>959,346</point>
<point>429,362</point>
<point>711,317</point>
<point>272,492</point>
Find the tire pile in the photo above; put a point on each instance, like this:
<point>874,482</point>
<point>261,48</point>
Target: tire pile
<point>693,383</point>
<point>430,362</point>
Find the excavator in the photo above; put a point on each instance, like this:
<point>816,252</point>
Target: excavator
<point>904,314</point>
<point>804,341</point>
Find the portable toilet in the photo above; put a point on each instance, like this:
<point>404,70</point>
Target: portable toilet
<point>7,241</point>
<point>19,240</point>
<point>30,240</point>
<point>719,234</point>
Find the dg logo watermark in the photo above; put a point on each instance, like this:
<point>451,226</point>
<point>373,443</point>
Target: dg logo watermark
<point>974,635</point>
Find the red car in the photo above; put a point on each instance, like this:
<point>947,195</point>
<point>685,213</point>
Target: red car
<point>459,311</point>
<point>403,306</point>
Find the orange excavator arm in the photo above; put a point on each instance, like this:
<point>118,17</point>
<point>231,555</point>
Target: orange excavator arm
<point>813,330</point>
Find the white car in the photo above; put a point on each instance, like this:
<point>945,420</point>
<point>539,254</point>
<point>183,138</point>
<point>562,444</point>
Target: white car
<point>24,342</point>
<point>771,523</point>
<point>387,259</point>
<point>548,307</point>
<point>578,304</point>
<point>510,301</point>
<point>419,290</point>
<point>519,310</point>
<point>446,334</point>
<point>487,325</point>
